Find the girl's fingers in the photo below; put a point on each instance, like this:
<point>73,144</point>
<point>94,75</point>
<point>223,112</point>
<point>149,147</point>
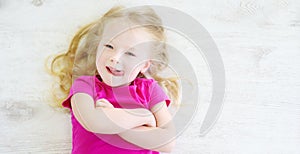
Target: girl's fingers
<point>103,100</point>
<point>103,103</point>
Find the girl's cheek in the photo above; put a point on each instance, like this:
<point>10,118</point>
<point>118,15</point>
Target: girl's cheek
<point>98,55</point>
<point>103,55</point>
<point>133,66</point>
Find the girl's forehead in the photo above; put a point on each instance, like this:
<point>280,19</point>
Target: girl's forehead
<point>122,30</point>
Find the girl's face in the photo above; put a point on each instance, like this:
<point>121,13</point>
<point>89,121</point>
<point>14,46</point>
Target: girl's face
<point>123,53</point>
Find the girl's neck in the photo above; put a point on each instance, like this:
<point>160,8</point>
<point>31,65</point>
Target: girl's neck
<point>100,79</point>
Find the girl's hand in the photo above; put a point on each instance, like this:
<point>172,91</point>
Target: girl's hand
<point>103,103</point>
<point>151,122</point>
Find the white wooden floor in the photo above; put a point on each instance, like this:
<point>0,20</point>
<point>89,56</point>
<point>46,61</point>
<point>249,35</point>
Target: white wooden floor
<point>259,42</point>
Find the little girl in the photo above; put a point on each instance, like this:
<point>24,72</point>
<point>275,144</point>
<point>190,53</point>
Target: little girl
<point>110,80</point>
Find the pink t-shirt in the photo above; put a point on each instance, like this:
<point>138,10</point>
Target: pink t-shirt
<point>142,93</point>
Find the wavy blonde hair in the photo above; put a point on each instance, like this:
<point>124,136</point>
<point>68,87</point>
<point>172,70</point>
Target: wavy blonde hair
<point>84,45</point>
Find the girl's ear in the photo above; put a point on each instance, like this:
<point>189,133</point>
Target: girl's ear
<point>146,66</point>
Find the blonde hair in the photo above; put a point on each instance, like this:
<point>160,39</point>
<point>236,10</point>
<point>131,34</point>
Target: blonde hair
<point>84,45</point>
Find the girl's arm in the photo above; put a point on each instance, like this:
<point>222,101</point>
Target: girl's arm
<point>107,120</point>
<point>160,138</point>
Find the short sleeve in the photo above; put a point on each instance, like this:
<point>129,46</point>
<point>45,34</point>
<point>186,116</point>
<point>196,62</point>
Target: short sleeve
<point>157,95</point>
<point>83,84</point>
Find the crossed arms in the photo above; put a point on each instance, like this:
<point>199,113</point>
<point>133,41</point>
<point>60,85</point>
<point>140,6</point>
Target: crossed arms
<point>152,130</point>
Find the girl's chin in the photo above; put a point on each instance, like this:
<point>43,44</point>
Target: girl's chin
<point>116,81</point>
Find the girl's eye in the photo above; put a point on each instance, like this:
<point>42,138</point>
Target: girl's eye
<point>130,54</point>
<point>109,46</point>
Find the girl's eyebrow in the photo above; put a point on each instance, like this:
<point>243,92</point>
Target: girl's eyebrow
<point>106,40</point>
<point>131,49</point>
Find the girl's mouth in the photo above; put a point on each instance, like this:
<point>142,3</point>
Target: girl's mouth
<point>114,71</point>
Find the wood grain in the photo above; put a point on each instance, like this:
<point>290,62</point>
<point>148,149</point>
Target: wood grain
<point>258,41</point>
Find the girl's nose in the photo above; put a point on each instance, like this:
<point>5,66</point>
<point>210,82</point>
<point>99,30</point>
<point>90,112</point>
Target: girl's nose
<point>115,58</point>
